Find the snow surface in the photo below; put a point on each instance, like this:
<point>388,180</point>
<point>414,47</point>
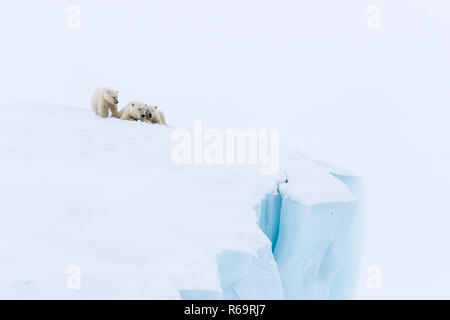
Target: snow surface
<point>103,195</point>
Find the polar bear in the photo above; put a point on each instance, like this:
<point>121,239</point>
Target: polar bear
<point>133,111</point>
<point>105,100</point>
<point>154,115</point>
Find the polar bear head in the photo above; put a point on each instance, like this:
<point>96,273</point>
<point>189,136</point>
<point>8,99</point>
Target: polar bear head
<point>111,96</point>
<point>150,112</point>
<point>137,110</point>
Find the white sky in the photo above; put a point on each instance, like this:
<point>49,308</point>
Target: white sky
<point>373,101</point>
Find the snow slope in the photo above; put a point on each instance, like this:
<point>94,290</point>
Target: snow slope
<point>104,195</point>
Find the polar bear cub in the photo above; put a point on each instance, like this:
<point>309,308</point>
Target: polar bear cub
<point>133,111</point>
<point>105,100</point>
<point>154,115</point>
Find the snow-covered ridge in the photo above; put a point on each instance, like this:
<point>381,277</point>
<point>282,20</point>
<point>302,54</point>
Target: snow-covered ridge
<point>103,195</point>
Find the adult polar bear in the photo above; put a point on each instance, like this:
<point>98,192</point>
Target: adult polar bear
<point>105,100</point>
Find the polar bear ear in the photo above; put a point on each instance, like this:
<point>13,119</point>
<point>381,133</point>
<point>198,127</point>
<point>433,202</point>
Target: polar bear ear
<point>132,104</point>
<point>156,107</point>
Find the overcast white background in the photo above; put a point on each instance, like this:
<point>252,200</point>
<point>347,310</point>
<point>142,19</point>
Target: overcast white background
<point>375,101</point>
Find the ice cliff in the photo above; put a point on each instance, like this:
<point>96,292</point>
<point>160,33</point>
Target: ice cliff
<point>103,195</point>
<point>314,220</point>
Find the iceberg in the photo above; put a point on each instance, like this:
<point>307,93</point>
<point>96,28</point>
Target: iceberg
<point>102,196</point>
